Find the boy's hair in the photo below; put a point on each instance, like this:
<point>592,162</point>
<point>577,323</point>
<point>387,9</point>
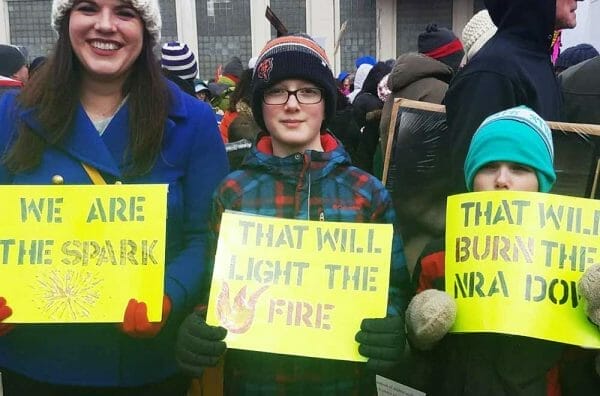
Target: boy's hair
<point>515,135</point>
<point>287,57</point>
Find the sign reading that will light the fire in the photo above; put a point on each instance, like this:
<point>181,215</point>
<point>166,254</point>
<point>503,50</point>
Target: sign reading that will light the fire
<point>276,281</point>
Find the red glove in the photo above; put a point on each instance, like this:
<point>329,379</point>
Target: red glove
<point>135,322</point>
<point>5,312</point>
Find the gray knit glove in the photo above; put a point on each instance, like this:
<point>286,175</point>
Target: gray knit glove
<point>429,316</point>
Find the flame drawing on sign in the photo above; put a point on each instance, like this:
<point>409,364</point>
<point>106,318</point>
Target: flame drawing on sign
<point>67,295</point>
<point>237,317</point>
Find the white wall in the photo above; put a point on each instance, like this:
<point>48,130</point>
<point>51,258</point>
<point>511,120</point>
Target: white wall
<point>588,14</point>
<point>4,27</point>
<point>261,28</point>
<point>320,24</point>
<point>187,28</point>
<point>462,11</point>
<point>386,29</point>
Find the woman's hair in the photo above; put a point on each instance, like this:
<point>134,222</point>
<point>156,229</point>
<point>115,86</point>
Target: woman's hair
<point>54,89</point>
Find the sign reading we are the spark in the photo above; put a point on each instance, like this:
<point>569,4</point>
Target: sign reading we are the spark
<point>277,281</point>
<point>79,253</point>
<point>513,261</point>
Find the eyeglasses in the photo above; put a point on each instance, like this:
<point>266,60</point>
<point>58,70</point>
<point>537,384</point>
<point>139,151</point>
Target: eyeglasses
<point>279,96</point>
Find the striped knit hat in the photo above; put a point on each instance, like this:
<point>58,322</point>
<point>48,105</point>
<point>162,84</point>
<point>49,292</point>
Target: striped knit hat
<point>179,60</point>
<point>292,57</point>
<point>514,135</point>
<point>148,9</point>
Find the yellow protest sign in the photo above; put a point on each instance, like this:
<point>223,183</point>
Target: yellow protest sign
<point>79,253</point>
<point>298,287</point>
<point>513,260</point>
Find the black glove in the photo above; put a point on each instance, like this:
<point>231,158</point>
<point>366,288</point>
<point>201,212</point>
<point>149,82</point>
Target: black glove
<point>382,341</point>
<point>199,345</point>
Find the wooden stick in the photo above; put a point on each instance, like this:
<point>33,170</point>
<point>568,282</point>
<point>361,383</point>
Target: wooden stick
<point>595,183</point>
<point>390,138</point>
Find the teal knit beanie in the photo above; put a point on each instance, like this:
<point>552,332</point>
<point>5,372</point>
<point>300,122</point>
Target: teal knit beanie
<point>514,135</point>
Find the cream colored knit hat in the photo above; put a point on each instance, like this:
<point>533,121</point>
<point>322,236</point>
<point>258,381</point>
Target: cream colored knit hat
<point>476,33</point>
<point>148,9</point>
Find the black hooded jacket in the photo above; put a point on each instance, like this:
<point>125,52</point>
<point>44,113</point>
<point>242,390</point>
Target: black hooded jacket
<point>513,68</point>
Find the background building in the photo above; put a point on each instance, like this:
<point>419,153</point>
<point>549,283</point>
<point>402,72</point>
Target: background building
<point>216,30</point>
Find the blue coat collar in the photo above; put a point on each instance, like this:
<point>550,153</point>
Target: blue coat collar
<point>107,153</point>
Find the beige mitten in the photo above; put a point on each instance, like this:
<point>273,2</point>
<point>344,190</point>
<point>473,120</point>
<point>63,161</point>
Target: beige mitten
<point>589,287</point>
<point>429,316</point>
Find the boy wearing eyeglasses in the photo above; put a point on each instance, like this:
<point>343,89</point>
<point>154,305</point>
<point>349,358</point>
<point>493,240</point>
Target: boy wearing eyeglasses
<point>298,170</point>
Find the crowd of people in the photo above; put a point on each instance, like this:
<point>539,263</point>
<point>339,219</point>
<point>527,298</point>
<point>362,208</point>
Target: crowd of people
<point>282,136</point>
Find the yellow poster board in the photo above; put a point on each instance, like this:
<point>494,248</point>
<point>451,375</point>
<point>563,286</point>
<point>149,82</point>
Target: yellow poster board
<point>298,287</point>
<point>513,260</point>
<point>77,254</point>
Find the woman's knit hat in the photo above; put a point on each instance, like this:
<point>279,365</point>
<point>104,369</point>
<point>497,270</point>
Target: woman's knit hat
<point>179,60</point>
<point>476,33</point>
<point>515,135</point>
<point>149,11</point>
<point>292,57</point>
<point>442,45</point>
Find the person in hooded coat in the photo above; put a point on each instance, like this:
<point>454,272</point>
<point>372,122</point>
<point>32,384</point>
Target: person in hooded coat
<point>367,112</point>
<point>359,79</point>
<point>513,68</point>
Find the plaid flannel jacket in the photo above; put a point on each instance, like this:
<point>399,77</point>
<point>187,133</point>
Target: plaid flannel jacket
<point>311,186</point>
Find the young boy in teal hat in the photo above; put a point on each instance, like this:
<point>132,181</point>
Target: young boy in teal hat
<point>511,150</point>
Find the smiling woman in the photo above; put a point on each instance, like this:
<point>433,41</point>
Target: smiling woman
<point>99,111</point>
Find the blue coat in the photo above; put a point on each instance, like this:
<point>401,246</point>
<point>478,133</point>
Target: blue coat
<point>192,161</point>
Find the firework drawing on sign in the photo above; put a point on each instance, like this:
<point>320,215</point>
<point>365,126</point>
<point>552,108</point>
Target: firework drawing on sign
<point>67,295</point>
